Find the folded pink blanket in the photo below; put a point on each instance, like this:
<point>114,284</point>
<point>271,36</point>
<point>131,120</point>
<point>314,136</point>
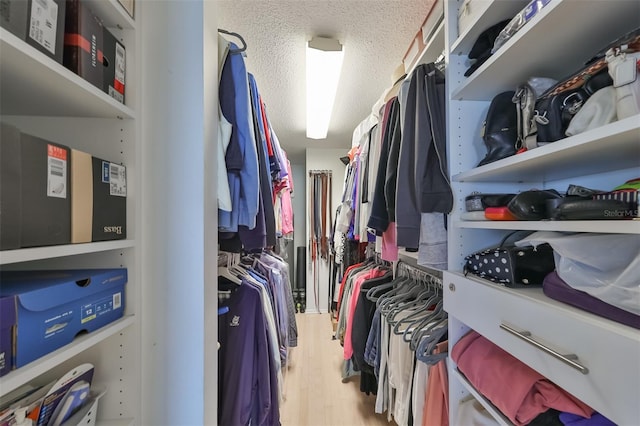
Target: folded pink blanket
<point>516,389</point>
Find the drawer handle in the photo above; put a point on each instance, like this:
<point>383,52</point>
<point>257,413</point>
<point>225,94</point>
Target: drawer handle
<point>569,359</point>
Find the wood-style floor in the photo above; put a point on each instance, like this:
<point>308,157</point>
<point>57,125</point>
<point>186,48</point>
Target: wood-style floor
<point>315,393</point>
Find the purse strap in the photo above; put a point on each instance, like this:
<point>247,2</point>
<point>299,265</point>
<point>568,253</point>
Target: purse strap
<point>519,232</point>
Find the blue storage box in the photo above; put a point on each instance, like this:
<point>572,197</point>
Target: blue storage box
<point>53,307</point>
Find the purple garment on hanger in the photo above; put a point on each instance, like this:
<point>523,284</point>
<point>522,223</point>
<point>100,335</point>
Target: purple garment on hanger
<point>244,376</point>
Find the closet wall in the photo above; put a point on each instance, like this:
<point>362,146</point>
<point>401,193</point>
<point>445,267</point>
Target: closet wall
<point>179,212</point>
<point>322,159</point>
<point>553,44</point>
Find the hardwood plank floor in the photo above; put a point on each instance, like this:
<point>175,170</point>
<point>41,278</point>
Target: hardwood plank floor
<point>314,391</point>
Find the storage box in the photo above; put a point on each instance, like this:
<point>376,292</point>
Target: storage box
<point>432,21</point>
<point>10,189</point>
<point>46,199</point>
<point>53,307</point>
<point>469,13</point>
<point>7,332</point>
<point>114,66</point>
<point>83,42</point>
<point>128,5</point>
<point>99,204</point>
<point>46,27</point>
<point>13,17</point>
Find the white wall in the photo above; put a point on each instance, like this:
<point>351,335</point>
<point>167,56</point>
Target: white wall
<point>178,330</point>
<point>322,159</point>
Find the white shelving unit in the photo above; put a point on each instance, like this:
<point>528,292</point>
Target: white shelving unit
<point>43,98</point>
<point>163,352</point>
<point>553,44</point>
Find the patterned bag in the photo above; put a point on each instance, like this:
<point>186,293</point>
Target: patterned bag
<point>512,266</point>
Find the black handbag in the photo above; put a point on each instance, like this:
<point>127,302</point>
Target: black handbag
<point>500,130</point>
<point>512,266</point>
<point>588,209</point>
<point>532,204</point>
<point>476,202</point>
<point>555,110</point>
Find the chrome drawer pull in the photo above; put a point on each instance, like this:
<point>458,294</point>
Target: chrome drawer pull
<point>569,359</point>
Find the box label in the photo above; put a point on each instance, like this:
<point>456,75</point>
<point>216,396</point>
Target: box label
<point>120,67</point>
<point>42,28</point>
<point>117,180</point>
<point>116,95</point>
<point>105,305</point>
<point>56,172</point>
<point>57,324</point>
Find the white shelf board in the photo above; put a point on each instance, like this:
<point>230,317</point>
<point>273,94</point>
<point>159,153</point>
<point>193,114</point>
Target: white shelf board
<point>615,146</point>
<point>540,47</point>
<point>595,226</point>
<point>111,13</point>
<point>40,366</point>
<point>34,84</point>
<point>432,49</point>
<point>495,413</point>
<point>494,12</point>
<point>115,422</point>
<point>536,295</point>
<point>39,253</point>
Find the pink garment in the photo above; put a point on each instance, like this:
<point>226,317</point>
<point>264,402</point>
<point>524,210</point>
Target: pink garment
<point>287,212</point>
<point>390,244</point>
<point>290,181</point>
<point>351,309</point>
<point>436,404</point>
<point>516,389</point>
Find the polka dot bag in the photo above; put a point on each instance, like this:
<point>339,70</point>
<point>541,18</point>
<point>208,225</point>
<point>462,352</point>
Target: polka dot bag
<point>512,266</point>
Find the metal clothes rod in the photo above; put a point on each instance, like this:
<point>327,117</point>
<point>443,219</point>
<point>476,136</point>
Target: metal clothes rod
<point>404,269</point>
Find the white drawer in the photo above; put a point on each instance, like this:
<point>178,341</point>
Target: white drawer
<point>610,352</point>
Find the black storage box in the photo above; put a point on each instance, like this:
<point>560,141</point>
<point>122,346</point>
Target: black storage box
<point>35,199</point>
<point>99,204</point>
<point>10,190</point>
<point>114,66</point>
<point>40,23</point>
<point>13,17</point>
<point>83,43</point>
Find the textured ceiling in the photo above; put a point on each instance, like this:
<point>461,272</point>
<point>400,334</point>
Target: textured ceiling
<point>375,36</point>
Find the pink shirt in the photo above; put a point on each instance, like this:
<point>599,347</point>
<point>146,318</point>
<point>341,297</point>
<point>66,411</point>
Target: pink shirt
<point>355,293</point>
<point>389,250</point>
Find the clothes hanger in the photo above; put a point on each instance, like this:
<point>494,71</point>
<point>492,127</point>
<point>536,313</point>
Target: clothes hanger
<point>421,309</point>
<point>425,347</point>
<point>400,284</point>
<point>372,293</point>
<point>418,324</point>
<point>429,324</point>
<point>239,37</point>
<point>411,291</point>
<point>226,273</point>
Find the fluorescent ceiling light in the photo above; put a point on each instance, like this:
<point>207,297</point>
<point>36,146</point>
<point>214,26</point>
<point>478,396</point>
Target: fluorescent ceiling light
<point>324,62</point>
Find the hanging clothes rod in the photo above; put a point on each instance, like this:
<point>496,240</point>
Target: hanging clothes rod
<point>239,37</point>
<point>315,172</point>
<point>407,270</point>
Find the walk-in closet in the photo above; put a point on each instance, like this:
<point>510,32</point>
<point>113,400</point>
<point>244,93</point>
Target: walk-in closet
<point>319,212</point>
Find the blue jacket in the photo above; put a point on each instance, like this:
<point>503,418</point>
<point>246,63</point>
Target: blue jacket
<point>241,157</point>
